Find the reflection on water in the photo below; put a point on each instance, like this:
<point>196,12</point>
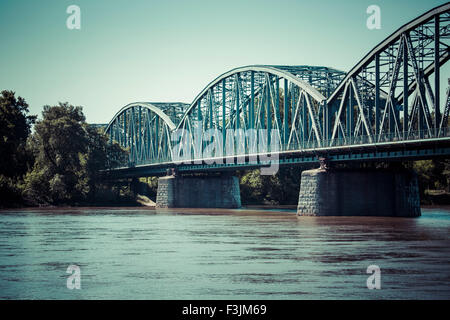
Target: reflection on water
<point>135,253</point>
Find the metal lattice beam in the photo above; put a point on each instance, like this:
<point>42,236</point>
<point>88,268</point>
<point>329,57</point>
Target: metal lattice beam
<point>391,95</point>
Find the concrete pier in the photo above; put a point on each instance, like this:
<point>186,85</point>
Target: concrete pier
<point>198,192</point>
<point>326,192</point>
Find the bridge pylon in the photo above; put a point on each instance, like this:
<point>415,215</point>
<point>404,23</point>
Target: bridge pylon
<point>334,192</point>
<point>218,191</point>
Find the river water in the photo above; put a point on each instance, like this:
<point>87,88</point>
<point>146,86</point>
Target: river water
<point>136,253</point>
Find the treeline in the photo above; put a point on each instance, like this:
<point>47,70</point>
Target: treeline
<point>279,189</point>
<point>283,187</point>
<point>434,180</point>
<point>59,163</point>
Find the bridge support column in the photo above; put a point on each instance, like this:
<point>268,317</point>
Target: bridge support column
<point>198,192</point>
<point>327,192</point>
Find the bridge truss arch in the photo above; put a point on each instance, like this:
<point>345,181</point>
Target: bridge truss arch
<point>288,100</point>
<point>144,129</point>
<point>394,92</point>
<point>392,97</point>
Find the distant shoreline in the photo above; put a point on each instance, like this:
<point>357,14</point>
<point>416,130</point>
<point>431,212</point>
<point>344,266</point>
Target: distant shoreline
<point>275,209</point>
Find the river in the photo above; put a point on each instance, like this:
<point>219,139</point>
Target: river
<point>140,253</point>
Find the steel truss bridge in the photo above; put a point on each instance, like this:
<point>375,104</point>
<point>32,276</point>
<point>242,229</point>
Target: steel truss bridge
<point>391,105</point>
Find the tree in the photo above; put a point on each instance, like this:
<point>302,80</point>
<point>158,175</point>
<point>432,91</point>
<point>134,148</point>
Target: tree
<point>432,174</point>
<point>281,188</point>
<point>251,187</point>
<point>59,143</point>
<point>15,127</point>
<point>100,155</point>
<point>69,154</point>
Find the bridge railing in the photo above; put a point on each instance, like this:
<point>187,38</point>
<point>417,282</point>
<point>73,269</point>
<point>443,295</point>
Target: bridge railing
<point>307,146</point>
<point>386,138</point>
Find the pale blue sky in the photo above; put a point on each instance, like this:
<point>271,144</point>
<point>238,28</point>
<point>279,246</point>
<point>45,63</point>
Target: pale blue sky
<point>145,50</point>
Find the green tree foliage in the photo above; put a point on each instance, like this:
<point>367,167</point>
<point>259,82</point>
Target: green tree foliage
<point>15,127</point>
<point>59,145</point>
<point>433,174</point>
<point>251,185</point>
<point>281,188</point>
<point>69,156</point>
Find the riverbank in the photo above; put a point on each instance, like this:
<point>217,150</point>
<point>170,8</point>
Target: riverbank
<point>150,206</point>
<point>431,199</point>
<point>435,197</point>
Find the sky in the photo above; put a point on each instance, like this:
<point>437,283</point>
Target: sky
<point>168,51</point>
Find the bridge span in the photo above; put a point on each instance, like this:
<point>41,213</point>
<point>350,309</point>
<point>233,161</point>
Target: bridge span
<point>392,105</point>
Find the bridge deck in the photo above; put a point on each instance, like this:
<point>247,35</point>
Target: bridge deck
<point>385,151</point>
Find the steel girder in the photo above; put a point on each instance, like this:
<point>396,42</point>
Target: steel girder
<point>390,95</point>
<point>144,129</point>
<point>287,99</point>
